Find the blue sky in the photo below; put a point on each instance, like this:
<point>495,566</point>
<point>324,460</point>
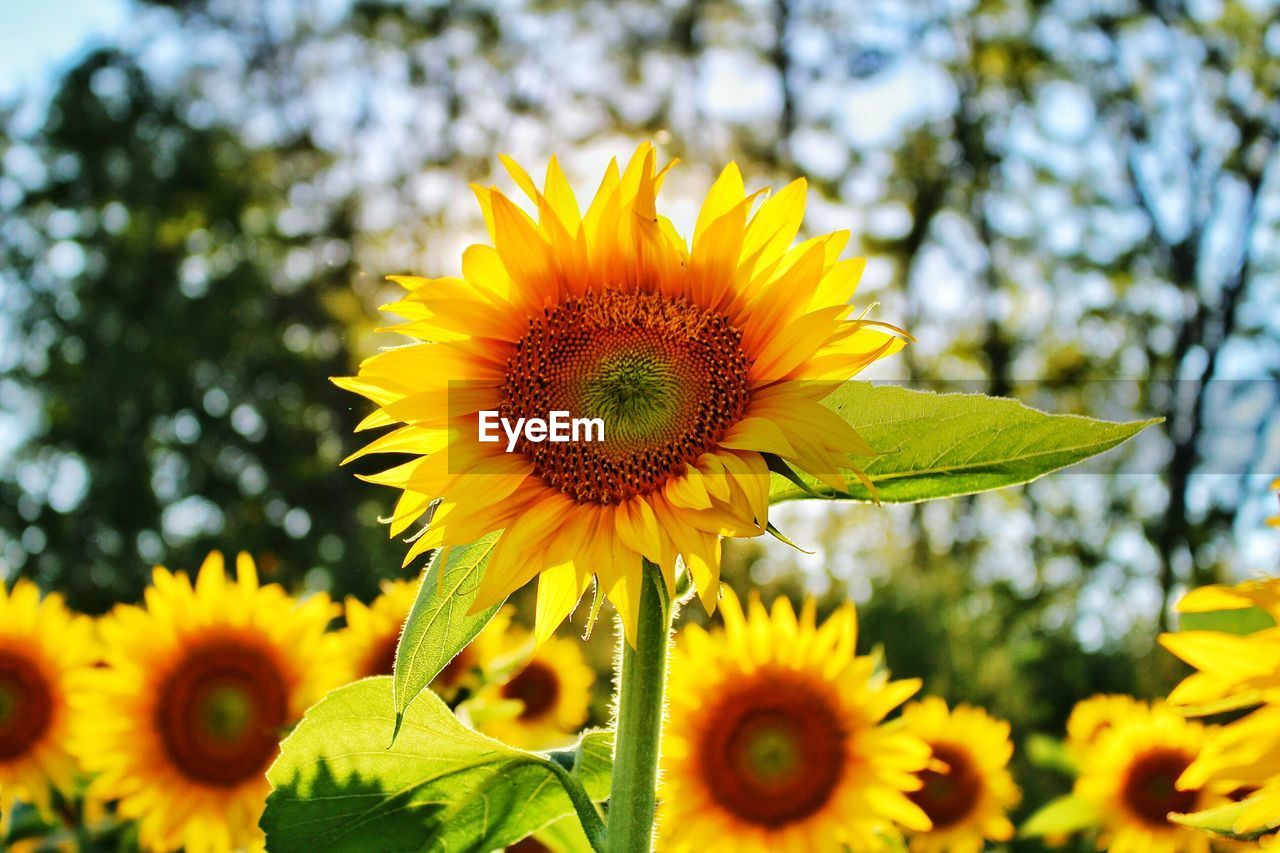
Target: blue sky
<point>41,37</point>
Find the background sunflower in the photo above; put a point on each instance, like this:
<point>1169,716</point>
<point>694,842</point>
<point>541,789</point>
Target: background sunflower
<point>776,740</point>
<point>1130,778</point>
<point>967,791</point>
<point>1235,671</point>
<point>198,687</point>
<point>45,651</point>
<point>369,639</point>
<point>535,698</point>
<point>372,630</point>
<point>1091,717</point>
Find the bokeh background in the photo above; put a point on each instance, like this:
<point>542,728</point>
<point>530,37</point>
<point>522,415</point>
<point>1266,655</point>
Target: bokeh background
<point>1074,202</point>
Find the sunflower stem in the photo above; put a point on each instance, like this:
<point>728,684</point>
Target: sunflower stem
<point>592,824</point>
<point>641,699</point>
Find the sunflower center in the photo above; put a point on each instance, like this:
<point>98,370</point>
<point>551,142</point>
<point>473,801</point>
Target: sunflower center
<point>26,705</point>
<point>537,687</point>
<point>221,711</point>
<point>1149,787</point>
<point>774,751</point>
<point>948,796</point>
<point>667,378</point>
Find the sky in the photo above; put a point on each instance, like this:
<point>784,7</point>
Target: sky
<point>38,39</point>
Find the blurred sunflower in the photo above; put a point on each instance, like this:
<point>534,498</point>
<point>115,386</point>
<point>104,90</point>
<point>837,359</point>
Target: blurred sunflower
<point>775,740</point>
<point>1235,672</point>
<point>1093,716</point>
<point>706,363</point>
<point>1243,758</point>
<point>369,640</point>
<point>545,701</point>
<point>966,798</point>
<point>1130,776</point>
<point>199,686</point>
<point>44,650</point>
<point>372,632</point>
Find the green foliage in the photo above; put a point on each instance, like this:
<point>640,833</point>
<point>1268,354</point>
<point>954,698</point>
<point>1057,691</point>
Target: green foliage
<point>1224,821</point>
<point>1063,816</point>
<point>442,786</point>
<point>439,625</point>
<point>946,445</point>
<point>564,836</point>
<point>1243,620</point>
<point>25,823</point>
<point>1049,753</point>
<point>178,351</point>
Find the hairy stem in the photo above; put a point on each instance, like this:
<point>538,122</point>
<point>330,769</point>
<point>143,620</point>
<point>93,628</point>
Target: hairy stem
<point>642,684</point>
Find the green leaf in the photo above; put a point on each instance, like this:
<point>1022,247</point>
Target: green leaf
<point>439,626</point>
<point>26,823</point>
<point>945,445</point>
<point>442,786</point>
<point>1244,620</point>
<point>1063,816</point>
<point>590,761</point>
<point>1224,821</point>
<point>1050,753</point>
<point>564,836</point>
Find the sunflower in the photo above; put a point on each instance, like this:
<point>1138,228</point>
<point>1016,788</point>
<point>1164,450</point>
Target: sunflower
<point>372,632</point>
<point>1093,716</point>
<point>705,363</point>
<point>775,739</point>
<point>1235,672</point>
<point>44,649</point>
<point>1130,776</point>
<point>968,796</point>
<point>1243,758</point>
<point>199,685</point>
<point>544,700</point>
<point>369,640</point>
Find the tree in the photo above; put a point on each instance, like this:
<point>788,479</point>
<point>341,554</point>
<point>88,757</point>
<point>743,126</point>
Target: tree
<point>180,318</point>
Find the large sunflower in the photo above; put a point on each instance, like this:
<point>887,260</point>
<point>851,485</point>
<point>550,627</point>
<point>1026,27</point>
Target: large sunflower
<point>775,740</point>
<point>1130,776</point>
<point>706,363</point>
<point>544,700</point>
<point>1235,672</point>
<point>44,649</point>
<point>369,640</point>
<point>968,795</point>
<point>199,686</point>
